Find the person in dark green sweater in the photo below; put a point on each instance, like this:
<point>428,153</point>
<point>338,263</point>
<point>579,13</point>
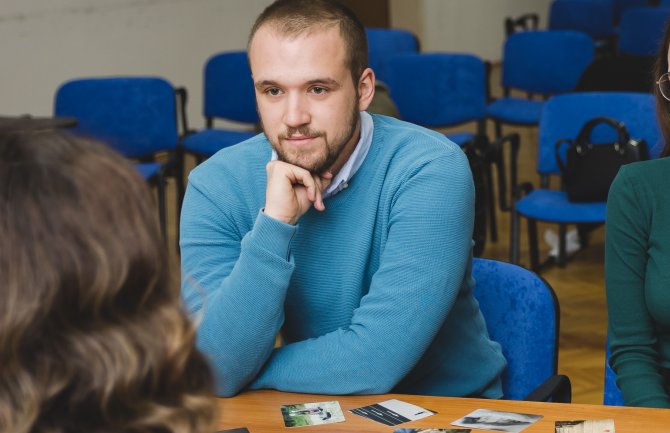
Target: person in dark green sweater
<point>637,271</point>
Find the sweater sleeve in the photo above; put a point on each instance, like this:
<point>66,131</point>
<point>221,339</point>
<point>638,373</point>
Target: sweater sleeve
<point>228,278</point>
<point>420,274</point>
<point>631,329</point>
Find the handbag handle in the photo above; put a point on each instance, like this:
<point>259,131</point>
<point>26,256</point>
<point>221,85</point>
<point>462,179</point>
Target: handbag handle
<point>585,133</point>
<point>557,153</point>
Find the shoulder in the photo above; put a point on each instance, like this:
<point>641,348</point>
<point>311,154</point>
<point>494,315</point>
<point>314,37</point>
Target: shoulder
<point>643,176</point>
<point>415,144</point>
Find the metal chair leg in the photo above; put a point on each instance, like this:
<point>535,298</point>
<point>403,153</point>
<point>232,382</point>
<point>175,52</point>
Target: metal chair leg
<point>533,245</point>
<point>160,188</point>
<point>562,241</point>
<point>514,236</point>
<point>493,226</point>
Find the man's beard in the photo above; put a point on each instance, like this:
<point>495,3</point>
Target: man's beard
<point>324,160</point>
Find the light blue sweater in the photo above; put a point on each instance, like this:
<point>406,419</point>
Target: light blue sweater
<point>371,295</point>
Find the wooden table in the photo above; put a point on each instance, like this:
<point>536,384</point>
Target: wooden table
<point>259,412</point>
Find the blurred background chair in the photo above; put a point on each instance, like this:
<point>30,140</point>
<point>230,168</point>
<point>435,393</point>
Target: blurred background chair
<point>228,95</point>
<point>137,116</point>
<point>523,315</point>
<point>386,43</point>
<point>563,118</point>
<point>522,23</point>
<point>630,69</point>
<point>539,63</point>
<point>456,96</point>
<point>611,394</point>
<point>593,17</point>
<point>641,30</point>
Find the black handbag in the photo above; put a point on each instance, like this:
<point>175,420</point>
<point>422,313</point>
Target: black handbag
<point>590,168</point>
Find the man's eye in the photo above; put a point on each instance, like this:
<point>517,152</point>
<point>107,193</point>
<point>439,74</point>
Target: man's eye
<point>273,91</point>
<point>319,90</point>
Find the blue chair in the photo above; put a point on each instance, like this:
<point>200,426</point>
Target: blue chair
<point>641,30</point>
<point>386,43</point>
<point>541,62</point>
<point>612,394</point>
<point>137,116</point>
<point>562,118</point>
<point>593,17</point>
<point>229,95</point>
<point>621,6</point>
<point>457,95</point>
<point>522,314</point>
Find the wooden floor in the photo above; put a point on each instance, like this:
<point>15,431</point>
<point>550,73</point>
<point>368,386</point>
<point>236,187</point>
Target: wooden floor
<point>579,286</point>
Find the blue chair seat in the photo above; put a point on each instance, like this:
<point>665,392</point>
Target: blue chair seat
<point>460,138</point>
<point>148,169</point>
<point>516,111</point>
<point>543,205</point>
<point>209,141</point>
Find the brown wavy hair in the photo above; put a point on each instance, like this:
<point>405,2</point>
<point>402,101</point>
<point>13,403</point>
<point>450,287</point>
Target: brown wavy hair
<point>662,104</point>
<point>93,337</point>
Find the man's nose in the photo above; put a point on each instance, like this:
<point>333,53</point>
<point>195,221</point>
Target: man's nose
<point>297,111</point>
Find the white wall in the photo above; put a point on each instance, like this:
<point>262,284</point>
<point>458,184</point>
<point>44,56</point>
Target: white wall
<point>45,42</point>
<point>474,26</point>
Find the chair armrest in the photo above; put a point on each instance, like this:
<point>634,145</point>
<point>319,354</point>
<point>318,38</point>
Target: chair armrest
<point>556,389</point>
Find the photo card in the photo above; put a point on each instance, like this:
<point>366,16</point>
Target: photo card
<point>298,415</point>
<point>486,419</point>
<point>585,426</point>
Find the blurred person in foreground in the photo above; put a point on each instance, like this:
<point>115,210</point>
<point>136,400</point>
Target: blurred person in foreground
<point>93,337</point>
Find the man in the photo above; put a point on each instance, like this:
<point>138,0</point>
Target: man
<point>348,233</point>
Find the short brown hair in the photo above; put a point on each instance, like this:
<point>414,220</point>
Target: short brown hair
<point>93,337</point>
<point>295,17</point>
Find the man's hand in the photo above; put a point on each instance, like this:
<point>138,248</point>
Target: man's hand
<point>292,190</point>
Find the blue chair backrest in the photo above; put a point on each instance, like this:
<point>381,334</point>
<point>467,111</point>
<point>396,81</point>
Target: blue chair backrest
<point>641,30</point>
<point>546,62</point>
<point>229,89</point>
<point>621,6</point>
<point>564,115</point>
<point>386,43</point>
<point>522,314</point>
<point>437,89</point>
<point>664,3</point>
<point>135,115</point>
<point>595,18</point>
<point>612,394</point>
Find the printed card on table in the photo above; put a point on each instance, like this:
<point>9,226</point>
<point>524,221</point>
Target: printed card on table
<point>431,430</point>
<point>392,412</point>
<point>486,419</point>
<point>298,415</point>
<point>585,426</point>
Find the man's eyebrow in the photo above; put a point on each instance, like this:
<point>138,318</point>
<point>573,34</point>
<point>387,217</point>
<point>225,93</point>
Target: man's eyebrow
<point>264,83</point>
<point>324,81</point>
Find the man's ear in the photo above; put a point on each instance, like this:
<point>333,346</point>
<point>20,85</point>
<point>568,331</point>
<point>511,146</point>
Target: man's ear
<point>366,89</point>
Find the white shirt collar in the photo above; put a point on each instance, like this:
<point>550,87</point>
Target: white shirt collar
<point>341,180</point>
